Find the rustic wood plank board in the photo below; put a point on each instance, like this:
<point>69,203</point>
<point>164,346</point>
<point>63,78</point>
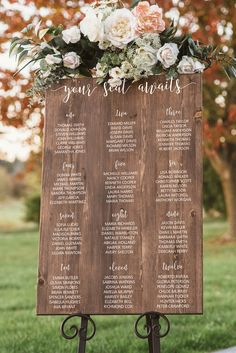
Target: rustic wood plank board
<point>121,211</point>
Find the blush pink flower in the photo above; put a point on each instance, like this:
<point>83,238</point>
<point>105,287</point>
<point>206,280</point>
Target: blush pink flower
<point>149,18</point>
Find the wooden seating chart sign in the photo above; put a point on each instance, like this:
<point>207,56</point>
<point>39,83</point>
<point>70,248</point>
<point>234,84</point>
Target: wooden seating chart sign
<point>121,210</point>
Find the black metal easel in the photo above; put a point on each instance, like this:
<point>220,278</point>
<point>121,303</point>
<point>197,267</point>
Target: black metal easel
<point>154,330</point>
<point>152,326</point>
<point>81,333</point>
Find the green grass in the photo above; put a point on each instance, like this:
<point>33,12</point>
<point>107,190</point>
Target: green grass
<point>12,213</point>
<point>23,332</point>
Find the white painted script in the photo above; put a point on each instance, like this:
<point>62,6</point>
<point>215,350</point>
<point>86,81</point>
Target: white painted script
<point>172,86</point>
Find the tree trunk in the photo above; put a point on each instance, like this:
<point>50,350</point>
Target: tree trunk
<point>227,174</point>
<point>228,181</point>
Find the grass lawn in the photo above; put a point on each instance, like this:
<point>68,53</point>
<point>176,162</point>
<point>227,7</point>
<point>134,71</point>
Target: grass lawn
<point>12,213</point>
<point>23,332</point>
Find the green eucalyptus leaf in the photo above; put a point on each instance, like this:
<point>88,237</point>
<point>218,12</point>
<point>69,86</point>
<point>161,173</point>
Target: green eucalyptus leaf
<point>191,51</point>
<point>58,42</point>
<point>18,51</point>
<point>15,39</point>
<point>231,71</point>
<point>13,47</point>
<point>194,48</point>
<point>84,43</point>
<point>171,73</point>
<point>47,51</point>
<point>23,55</point>
<point>157,70</point>
<point>18,42</point>
<point>24,42</point>
<point>55,30</point>
<point>37,27</point>
<point>28,28</point>
<point>28,63</point>
<point>43,65</point>
<point>43,32</point>
<point>84,71</point>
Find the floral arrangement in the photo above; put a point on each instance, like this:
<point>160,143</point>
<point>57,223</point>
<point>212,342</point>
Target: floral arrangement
<point>114,43</point>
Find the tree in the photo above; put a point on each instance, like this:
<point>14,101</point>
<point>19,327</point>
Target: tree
<point>216,21</point>
<point>210,21</point>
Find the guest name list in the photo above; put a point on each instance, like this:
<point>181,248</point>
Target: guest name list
<point>121,210</point>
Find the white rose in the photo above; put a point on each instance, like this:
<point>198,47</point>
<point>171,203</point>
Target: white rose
<point>92,26</point>
<point>120,27</point>
<point>199,67</point>
<point>71,35</point>
<point>71,60</point>
<point>115,82</point>
<point>188,66</point>
<point>168,54</point>
<point>52,59</point>
<point>116,73</point>
<point>145,58</point>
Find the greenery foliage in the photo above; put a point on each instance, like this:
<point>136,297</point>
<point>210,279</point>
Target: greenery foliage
<point>213,197</point>
<point>32,207</point>
<point>36,45</point>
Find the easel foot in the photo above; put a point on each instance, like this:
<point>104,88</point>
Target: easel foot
<point>154,330</point>
<point>152,326</point>
<point>80,332</point>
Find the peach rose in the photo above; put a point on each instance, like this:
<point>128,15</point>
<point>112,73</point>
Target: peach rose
<point>149,18</point>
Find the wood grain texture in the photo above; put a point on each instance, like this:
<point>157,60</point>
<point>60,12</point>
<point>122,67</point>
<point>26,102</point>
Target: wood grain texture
<point>121,211</point>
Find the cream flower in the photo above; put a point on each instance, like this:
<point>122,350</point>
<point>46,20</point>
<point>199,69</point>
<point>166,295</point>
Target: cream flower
<point>71,60</point>
<point>101,70</point>
<point>168,54</point>
<point>52,59</point>
<point>104,45</point>
<point>145,58</point>
<point>71,35</point>
<point>188,65</point>
<point>116,73</point>
<point>115,82</point>
<point>151,40</point>
<point>149,18</point>
<point>120,27</point>
<point>127,70</point>
<point>92,26</point>
<point>105,3</point>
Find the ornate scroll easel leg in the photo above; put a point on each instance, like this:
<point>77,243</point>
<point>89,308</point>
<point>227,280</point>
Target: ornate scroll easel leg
<point>154,341</point>
<point>81,333</point>
<point>153,327</point>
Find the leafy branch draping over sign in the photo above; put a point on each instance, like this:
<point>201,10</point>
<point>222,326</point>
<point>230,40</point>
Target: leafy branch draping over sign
<point>114,43</point>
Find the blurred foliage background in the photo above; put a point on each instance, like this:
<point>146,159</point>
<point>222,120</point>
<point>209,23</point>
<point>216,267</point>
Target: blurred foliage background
<point>210,22</point>
<point>21,129</point>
